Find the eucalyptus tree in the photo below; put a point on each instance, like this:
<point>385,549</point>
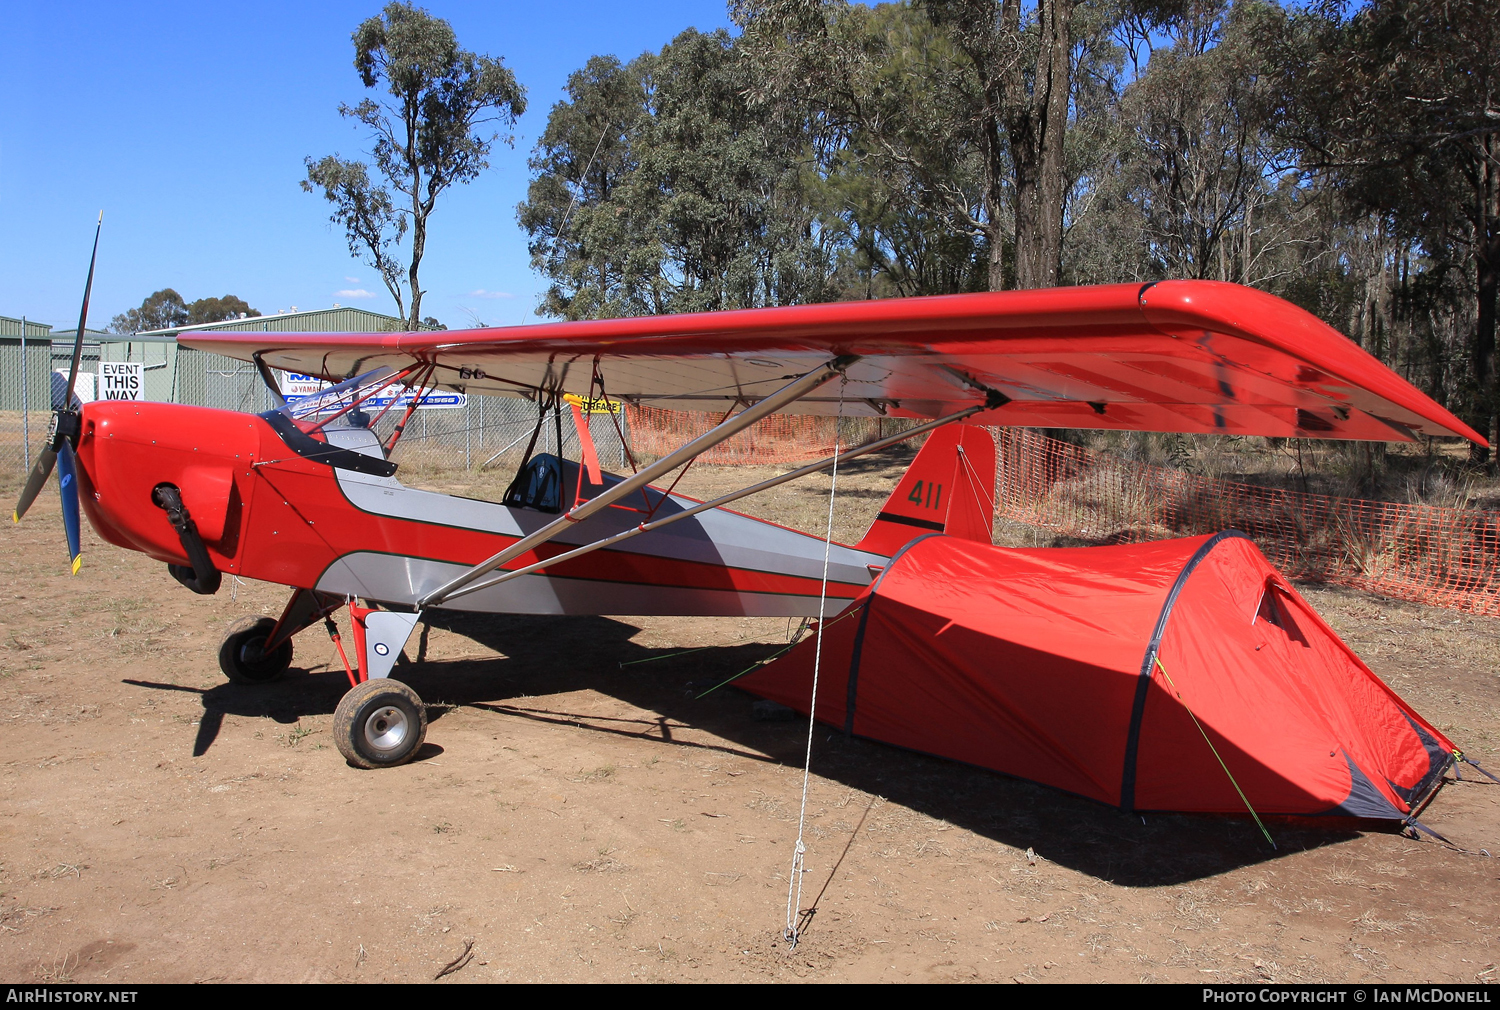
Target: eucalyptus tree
<point>215,310</point>
<point>160,310</point>
<point>1396,105</point>
<point>586,242</point>
<point>887,99</point>
<point>166,309</point>
<point>657,187</point>
<point>1023,62</point>
<point>430,131</point>
<point>1196,152</point>
<point>724,182</point>
<point>903,182</point>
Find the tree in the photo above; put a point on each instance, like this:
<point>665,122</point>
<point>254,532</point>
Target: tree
<point>658,187</point>
<point>214,310</point>
<point>1397,107</point>
<point>580,237</point>
<point>428,136</point>
<point>889,102</point>
<point>166,310</point>
<point>1024,66</point>
<point>162,310</point>
<point>999,77</point>
<point>903,182</point>
<point>736,228</point>
<point>1194,170</point>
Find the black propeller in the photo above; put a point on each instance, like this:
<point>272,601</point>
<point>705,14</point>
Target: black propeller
<point>62,436</point>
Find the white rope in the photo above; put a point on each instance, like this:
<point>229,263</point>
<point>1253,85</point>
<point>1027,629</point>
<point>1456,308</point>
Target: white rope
<point>987,497</point>
<point>503,451</point>
<point>582,182</point>
<point>793,932</point>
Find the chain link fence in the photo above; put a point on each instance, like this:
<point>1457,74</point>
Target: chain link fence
<point>28,388</point>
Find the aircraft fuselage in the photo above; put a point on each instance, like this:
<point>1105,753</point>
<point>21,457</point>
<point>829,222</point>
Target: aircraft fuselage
<point>265,512</point>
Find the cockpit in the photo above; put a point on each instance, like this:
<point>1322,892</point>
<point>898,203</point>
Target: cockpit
<point>358,402</point>
<point>305,421</point>
<point>353,402</point>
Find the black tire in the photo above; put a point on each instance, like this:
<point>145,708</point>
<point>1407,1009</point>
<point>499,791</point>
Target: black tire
<point>379,724</point>
<point>242,657</point>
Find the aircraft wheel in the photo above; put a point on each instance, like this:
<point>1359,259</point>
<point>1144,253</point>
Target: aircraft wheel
<point>379,724</point>
<point>242,657</point>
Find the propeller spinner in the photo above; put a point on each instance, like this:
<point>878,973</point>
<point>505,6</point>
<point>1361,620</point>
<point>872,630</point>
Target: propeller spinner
<point>62,437</point>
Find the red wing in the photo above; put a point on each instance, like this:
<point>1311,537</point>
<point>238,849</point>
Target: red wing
<point>1188,356</point>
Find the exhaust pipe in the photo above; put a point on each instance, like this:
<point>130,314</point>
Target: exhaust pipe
<point>202,577</point>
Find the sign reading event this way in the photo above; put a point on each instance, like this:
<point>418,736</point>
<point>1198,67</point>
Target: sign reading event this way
<point>121,380</point>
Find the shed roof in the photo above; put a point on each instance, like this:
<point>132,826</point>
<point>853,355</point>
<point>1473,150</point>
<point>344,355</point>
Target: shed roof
<point>11,327</point>
<point>340,319</point>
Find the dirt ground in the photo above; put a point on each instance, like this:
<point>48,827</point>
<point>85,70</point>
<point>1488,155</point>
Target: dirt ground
<point>576,816</point>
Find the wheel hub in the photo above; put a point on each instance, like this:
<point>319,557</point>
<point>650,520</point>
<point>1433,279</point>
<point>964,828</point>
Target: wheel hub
<point>386,729</point>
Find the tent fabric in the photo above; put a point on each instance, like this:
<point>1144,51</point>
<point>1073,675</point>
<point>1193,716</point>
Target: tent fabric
<point>1077,667</point>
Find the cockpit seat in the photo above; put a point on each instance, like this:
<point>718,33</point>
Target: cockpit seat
<point>538,485</point>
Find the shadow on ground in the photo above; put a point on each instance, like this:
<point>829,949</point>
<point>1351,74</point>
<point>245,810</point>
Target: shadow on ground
<point>552,655</point>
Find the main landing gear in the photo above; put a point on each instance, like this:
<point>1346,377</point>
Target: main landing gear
<point>379,722</point>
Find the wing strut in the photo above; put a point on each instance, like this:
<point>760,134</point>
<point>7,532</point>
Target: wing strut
<point>765,485</point>
<point>784,396</point>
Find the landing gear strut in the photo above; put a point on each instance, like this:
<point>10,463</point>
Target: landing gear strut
<point>379,722</point>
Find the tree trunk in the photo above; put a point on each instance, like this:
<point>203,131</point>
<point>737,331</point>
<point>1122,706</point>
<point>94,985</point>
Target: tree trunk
<point>1051,102</point>
<point>1484,342</point>
<point>419,212</point>
<point>1037,124</point>
<point>1487,269</point>
<point>994,203</point>
<point>418,246</point>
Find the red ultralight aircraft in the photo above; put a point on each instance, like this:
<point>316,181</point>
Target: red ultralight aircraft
<point>306,495</point>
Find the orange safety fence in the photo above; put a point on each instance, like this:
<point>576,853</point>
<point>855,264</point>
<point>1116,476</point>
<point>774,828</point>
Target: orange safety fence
<point>1427,554</point>
<point>1447,557</point>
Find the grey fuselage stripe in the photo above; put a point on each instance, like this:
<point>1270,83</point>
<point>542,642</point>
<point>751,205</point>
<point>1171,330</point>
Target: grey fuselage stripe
<point>717,537</point>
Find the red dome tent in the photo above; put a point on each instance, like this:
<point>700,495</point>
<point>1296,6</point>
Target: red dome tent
<point>1077,668</point>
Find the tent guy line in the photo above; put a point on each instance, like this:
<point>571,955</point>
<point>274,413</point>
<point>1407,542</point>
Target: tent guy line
<point>793,931</point>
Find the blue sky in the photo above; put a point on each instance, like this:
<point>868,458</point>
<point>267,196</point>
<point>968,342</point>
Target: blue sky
<point>187,123</point>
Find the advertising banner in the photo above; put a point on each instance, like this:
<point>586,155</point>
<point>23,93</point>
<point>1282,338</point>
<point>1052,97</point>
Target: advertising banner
<point>295,386</point>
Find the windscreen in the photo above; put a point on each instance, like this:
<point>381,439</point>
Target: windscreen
<point>372,391</point>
